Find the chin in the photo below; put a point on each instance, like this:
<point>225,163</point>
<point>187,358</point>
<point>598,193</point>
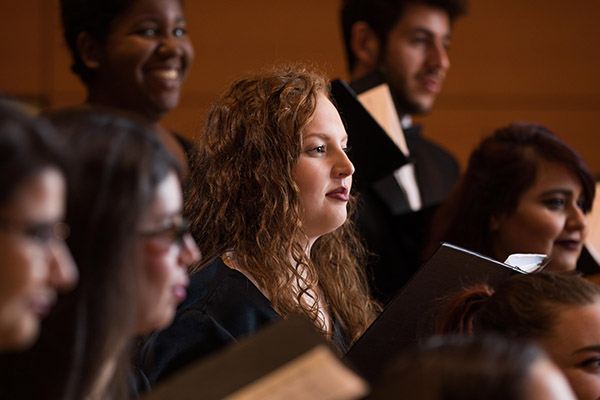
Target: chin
<point>22,338</point>
<point>165,320</point>
<point>422,106</point>
<point>561,265</point>
<point>167,102</point>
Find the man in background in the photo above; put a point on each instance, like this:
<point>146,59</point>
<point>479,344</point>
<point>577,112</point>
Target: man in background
<point>403,43</point>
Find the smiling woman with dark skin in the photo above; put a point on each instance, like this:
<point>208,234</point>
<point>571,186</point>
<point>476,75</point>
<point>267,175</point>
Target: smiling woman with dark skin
<point>133,55</point>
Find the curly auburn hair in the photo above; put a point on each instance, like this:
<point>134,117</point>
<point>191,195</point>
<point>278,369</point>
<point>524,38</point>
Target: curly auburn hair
<point>245,199</point>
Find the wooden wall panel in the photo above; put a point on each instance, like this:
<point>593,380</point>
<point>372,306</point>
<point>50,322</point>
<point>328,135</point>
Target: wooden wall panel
<point>21,48</point>
<point>511,60</point>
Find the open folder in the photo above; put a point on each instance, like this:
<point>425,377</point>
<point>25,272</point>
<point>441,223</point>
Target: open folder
<point>376,145</point>
<point>413,313</point>
<point>287,360</point>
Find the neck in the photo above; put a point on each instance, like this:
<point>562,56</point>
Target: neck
<point>359,71</point>
<point>307,244</point>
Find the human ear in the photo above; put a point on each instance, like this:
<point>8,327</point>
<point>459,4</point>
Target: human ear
<point>89,50</point>
<point>365,45</point>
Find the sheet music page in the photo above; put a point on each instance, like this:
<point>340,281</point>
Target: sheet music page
<point>317,374</point>
<point>379,103</point>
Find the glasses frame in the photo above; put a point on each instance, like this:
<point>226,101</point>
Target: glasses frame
<point>58,230</point>
<point>175,233</point>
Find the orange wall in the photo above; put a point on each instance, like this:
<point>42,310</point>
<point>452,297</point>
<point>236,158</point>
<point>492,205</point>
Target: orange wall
<point>533,60</point>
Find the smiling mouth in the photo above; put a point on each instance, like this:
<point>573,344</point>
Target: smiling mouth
<point>169,74</point>
<point>170,78</point>
<point>431,83</point>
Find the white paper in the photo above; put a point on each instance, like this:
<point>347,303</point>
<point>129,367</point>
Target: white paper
<point>527,262</point>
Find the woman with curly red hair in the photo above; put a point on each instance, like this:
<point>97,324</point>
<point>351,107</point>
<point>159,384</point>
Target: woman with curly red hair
<point>271,203</point>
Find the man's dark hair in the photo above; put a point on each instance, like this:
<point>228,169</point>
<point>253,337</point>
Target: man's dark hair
<point>382,15</point>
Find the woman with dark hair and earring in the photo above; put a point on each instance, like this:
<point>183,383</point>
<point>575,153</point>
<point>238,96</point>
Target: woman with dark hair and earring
<point>130,241</point>
<point>472,368</point>
<point>559,312</point>
<point>34,261</point>
<point>272,196</point>
<point>133,55</point>
<point>524,191</point>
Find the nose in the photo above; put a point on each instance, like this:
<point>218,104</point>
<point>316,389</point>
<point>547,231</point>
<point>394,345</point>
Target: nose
<point>189,251</point>
<point>63,274</point>
<point>343,167</point>
<point>576,220</point>
<point>169,46</point>
<point>438,57</point>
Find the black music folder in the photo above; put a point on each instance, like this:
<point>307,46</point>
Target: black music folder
<point>413,313</point>
<point>368,139</point>
<point>286,360</point>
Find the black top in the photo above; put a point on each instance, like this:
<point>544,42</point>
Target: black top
<point>222,307</point>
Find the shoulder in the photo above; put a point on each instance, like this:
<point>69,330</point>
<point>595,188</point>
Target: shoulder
<point>222,306</point>
<point>218,288</point>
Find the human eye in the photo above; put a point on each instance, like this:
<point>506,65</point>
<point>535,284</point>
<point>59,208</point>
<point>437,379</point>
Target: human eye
<point>446,43</point>
<point>591,364</point>
<point>581,205</point>
<point>419,40</point>
<point>41,233</point>
<point>317,150</point>
<point>147,32</point>
<point>179,32</point>
<point>555,203</point>
<point>346,148</point>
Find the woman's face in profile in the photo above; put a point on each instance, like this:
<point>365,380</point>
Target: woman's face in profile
<point>574,345</point>
<point>146,56</point>
<point>323,172</point>
<point>549,219</point>
<point>34,261</point>
<point>166,249</point>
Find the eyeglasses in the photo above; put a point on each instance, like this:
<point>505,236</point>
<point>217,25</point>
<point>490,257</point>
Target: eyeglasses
<point>41,232</point>
<point>174,233</point>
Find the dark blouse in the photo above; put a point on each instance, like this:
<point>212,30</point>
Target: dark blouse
<point>222,307</point>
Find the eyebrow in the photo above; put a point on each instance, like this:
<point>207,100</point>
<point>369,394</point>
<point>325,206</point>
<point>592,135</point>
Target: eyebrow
<point>428,32</point>
<point>566,192</point>
<point>594,347</point>
<point>158,20</point>
<point>323,136</point>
